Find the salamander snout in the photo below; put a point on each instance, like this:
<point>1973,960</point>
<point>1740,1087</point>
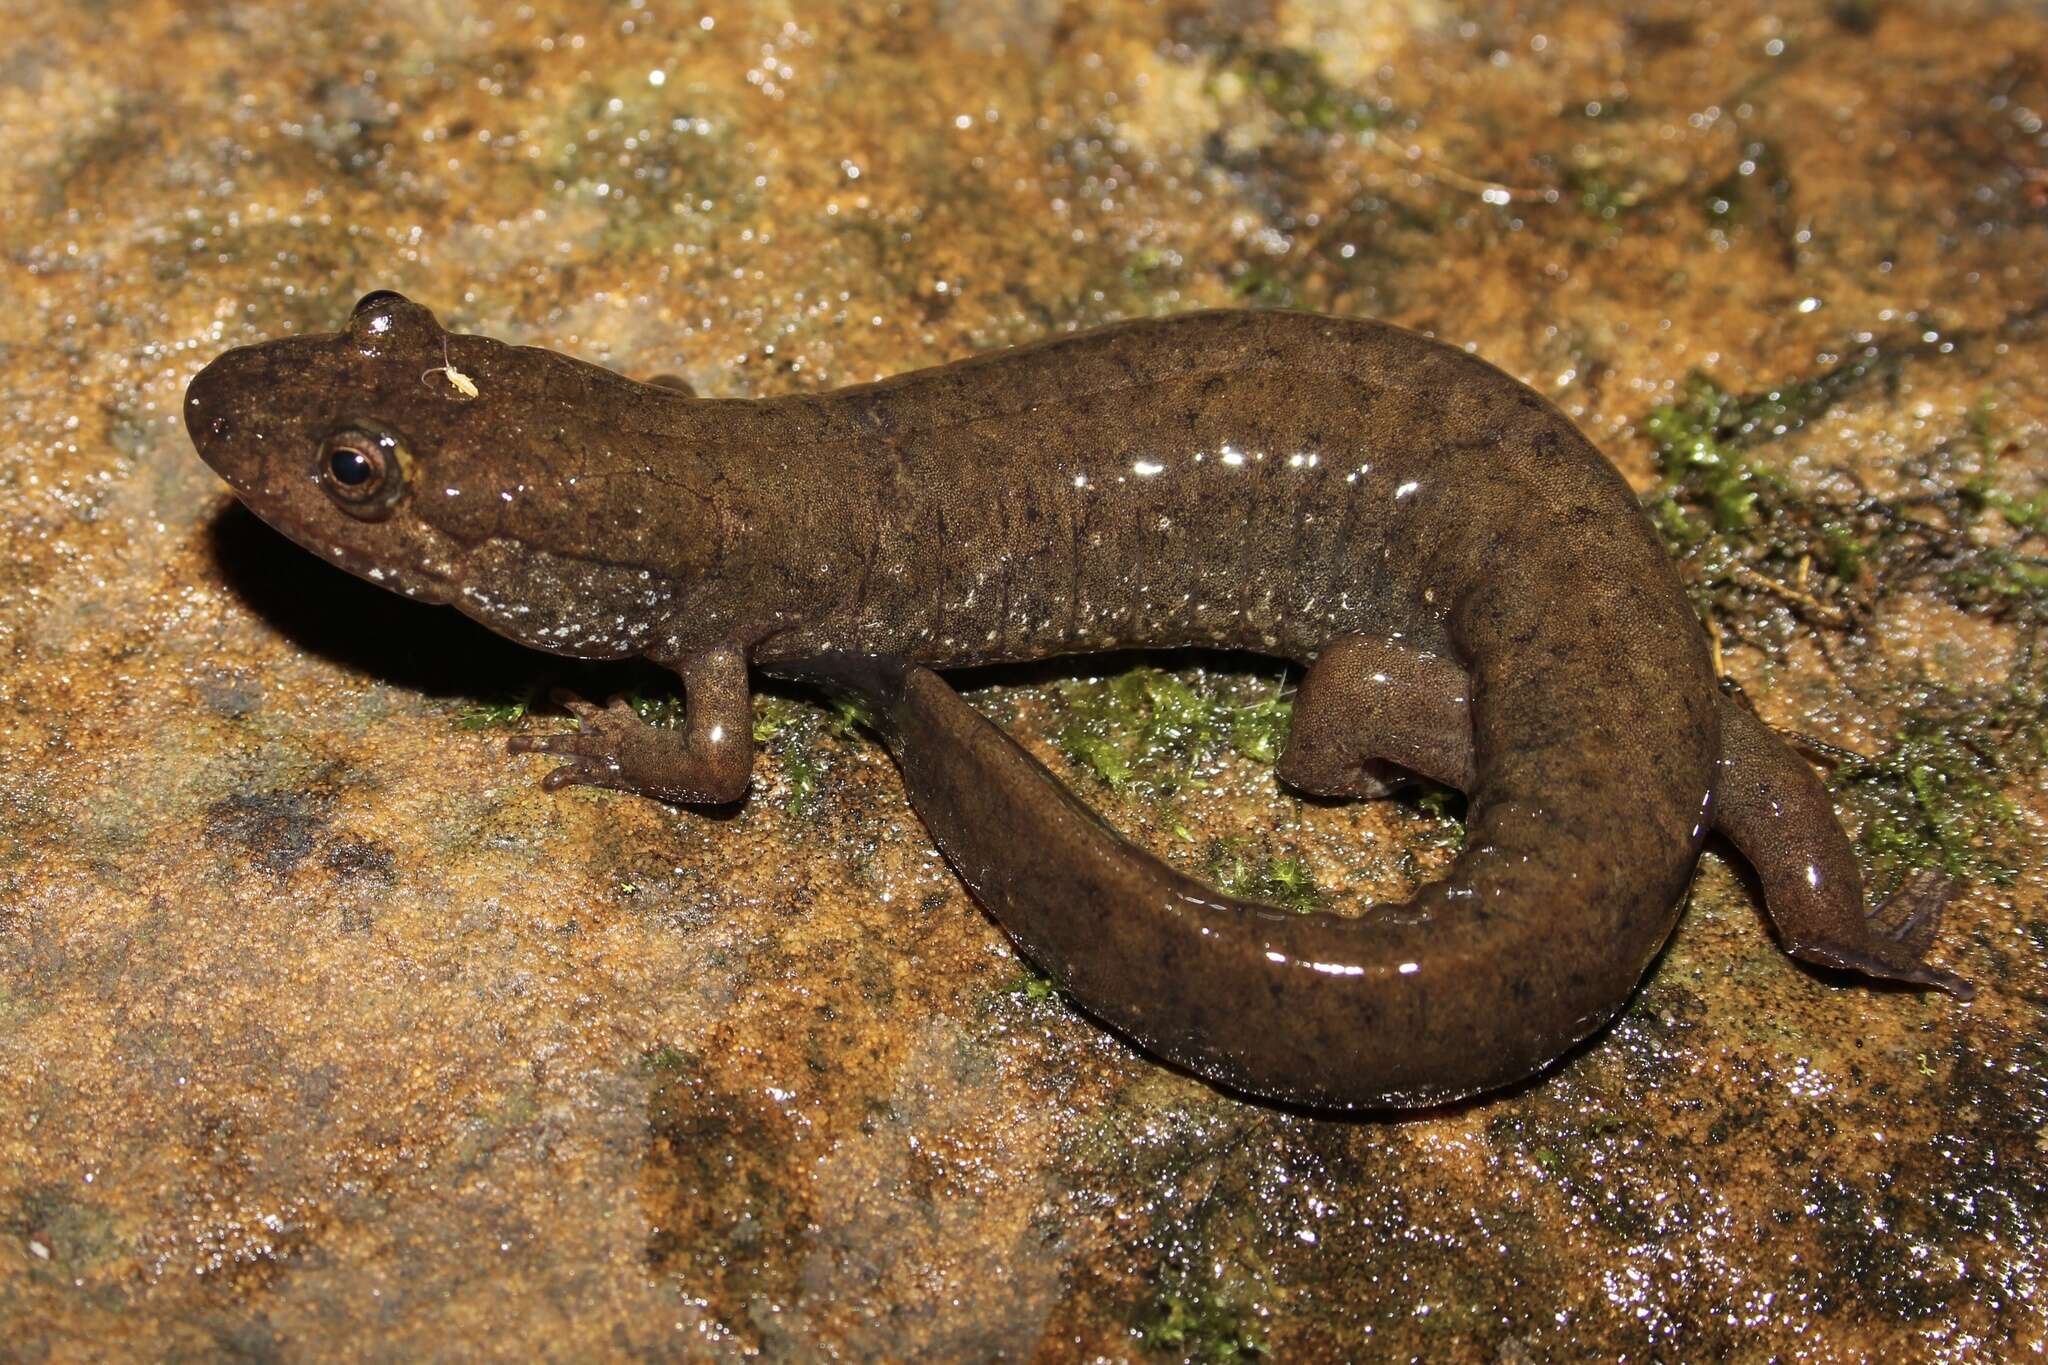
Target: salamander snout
<point>247,412</point>
<point>211,420</point>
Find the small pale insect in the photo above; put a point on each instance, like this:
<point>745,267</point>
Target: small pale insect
<point>457,380</point>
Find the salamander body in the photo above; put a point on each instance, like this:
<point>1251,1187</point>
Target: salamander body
<point>1470,586</point>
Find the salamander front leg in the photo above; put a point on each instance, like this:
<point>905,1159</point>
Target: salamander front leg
<point>707,762</point>
<point>1777,814</point>
<point>1370,717</point>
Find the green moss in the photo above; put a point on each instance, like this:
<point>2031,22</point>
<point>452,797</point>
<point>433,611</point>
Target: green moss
<point>1700,464</point>
<point>1258,729</point>
<point>1150,271</point>
<point>1701,439</point>
<point>1033,986</point>
<point>773,715</point>
<point>1761,553</point>
<point>1099,755</point>
<point>1844,552</point>
<point>1763,557</point>
<point>1156,729</point>
<point>1934,797</point>
<point>1981,495</point>
<point>664,1058</point>
<point>1281,879</point>
<point>1260,286</point>
<point>1982,420</point>
<point>1593,1158</point>
<point>661,162</point>
<point>846,715</point>
<point>1202,1327</point>
<point>800,770</point>
<point>794,735</point>
<point>75,1236</point>
<point>663,710</point>
<point>1996,574</point>
<point>1707,415</point>
<point>1439,813</point>
<point>1437,801</point>
<point>492,715</point>
<point>2022,514</point>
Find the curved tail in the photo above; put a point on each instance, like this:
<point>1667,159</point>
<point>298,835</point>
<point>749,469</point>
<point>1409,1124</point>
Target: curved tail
<point>1584,826</point>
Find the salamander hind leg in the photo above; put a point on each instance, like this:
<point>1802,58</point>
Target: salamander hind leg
<point>1370,717</point>
<point>1777,814</point>
<point>707,762</point>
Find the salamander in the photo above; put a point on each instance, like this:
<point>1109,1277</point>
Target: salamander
<point>1470,587</point>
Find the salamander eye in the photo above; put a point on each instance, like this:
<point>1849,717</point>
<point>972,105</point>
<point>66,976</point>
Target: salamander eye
<point>360,471</point>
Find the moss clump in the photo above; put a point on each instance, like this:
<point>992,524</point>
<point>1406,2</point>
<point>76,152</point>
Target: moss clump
<point>1281,879</point>
<point>1260,286</point>
<point>792,734</point>
<point>1435,801</point>
<point>1439,815</point>
<point>1765,557</point>
<point>2023,514</point>
<point>1151,271</point>
<point>1760,552</point>
<point>493,715</point>
<point>1155,729</point>
<point>1701,439</point>
<point>1699,454</point>
<point>665,1058</point>
<point>664,711</point>
<point>773,715</point>
<point>800,771</point>
<point>1199,1326</point>
<point>1933,798</point>
<point>1099,755</point>
<point>845,715</point>
<point>1032,986</point>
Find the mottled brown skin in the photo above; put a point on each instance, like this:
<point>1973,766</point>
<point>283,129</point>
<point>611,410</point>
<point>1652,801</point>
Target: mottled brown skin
<point>1473,590</point>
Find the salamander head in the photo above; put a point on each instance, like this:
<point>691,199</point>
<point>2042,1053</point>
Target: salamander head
<point>511,482</point>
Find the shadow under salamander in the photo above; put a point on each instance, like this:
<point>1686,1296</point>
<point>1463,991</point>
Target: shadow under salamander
<point>435,650</point>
